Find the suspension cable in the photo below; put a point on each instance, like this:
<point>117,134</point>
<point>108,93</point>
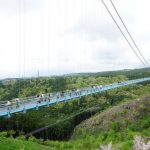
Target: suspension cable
<point>123,34</point>
<point>48,37</point>
<point>24,45</point>
<point>129,33</point>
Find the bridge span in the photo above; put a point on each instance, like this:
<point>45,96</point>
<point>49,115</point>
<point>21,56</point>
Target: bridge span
<point>35,102</point>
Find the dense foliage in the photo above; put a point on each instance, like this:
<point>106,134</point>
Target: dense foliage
<point>62,118</point>
<point>85,139</point>
<point>12,88</point>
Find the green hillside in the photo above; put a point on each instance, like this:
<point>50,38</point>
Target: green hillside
<point>16,144</point>
<point>115,116</point>
<point>118,124</point>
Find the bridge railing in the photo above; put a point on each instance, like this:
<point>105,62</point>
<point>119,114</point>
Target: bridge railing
<point>52,96</point>
<point>34,101</point>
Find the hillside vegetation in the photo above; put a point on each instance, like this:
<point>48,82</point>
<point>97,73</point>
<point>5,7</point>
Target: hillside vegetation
<point>119,124</point>
<point>121,114</point>
<point>117,115</point>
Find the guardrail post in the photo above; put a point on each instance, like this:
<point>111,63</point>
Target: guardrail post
<point>65,99</point>
<point>8,114</point>
<point>47,103</point>
<point>24,110</point>
<point>37,107</point>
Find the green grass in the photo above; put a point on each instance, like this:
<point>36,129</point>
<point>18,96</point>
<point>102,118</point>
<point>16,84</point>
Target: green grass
<point>121,141</point>
<point>16,144</point>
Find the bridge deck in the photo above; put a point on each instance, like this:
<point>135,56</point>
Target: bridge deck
<point>34,103</point>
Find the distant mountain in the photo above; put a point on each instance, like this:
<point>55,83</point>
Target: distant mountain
<point>128,72</point>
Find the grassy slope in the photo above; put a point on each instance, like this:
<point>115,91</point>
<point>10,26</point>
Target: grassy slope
<point>127,111</point>
<point>117,124</point>
<point>11,144</point>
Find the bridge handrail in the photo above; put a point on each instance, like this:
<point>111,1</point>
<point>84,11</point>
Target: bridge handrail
<point>69,93</point>
<point>53,94</point>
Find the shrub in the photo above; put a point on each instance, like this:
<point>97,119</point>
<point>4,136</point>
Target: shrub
<point>146,123</point>
<point>115,126</point>
<point>134,126</point>
<point>127,145</point>
<point>3,134</point>
<point>10,133</point>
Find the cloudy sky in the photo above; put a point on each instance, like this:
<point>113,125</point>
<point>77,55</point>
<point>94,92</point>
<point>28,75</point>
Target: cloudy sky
<point>68,36</point>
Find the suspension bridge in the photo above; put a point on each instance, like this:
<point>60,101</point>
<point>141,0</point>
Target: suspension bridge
<point>34,102</point>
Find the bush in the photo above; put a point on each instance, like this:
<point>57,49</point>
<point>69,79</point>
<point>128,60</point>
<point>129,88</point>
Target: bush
<point>21,137</point>
<point>115,126</point>
<point>127,145</point>
<point>3,134</point>
<point>10,133</point>
<point>134,126</point>
<point>146,123</point>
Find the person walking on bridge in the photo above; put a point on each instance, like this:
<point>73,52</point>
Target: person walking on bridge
<point>17,102</point>
<point>8,104</point>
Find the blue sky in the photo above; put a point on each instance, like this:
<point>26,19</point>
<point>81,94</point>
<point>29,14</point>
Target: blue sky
<point>68,36</point>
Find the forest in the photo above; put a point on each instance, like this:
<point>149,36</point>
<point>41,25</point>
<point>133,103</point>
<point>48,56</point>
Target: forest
<point>60,126</point>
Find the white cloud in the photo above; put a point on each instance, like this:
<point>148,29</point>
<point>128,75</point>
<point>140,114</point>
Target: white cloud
<point>82,36</point>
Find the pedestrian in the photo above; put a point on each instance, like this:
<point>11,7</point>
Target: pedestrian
<point>17,102</point>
